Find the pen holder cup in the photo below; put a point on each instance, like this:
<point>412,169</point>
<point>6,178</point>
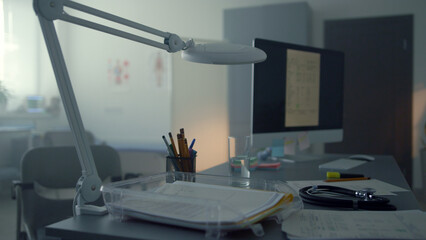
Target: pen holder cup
<point>181,164</point>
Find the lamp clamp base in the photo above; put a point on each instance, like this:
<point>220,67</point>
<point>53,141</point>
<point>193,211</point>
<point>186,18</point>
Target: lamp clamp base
<point>90,210</point>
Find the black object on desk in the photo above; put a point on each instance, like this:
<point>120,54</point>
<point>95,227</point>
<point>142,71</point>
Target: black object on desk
<point>339,197</point>
<point>105,227</point>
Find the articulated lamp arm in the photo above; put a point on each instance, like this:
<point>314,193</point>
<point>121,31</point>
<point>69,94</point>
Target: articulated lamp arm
<point>54,10</point>
<point>88,186</point>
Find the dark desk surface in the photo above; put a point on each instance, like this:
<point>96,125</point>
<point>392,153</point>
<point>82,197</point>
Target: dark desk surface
<point>105,227</point>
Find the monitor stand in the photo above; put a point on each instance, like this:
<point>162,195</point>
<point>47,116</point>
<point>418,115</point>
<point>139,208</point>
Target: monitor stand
<point>298,158</point>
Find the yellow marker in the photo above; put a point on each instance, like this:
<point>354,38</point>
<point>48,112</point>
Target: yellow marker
<point>343,175</point>
<point>333,175</point>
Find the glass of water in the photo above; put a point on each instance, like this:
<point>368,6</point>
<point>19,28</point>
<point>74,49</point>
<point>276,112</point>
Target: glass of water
<point>239,155</point>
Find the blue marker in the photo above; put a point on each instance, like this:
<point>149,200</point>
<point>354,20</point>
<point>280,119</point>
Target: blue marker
<point>192,143</point>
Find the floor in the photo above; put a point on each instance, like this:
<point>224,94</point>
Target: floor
<point>7,217</point>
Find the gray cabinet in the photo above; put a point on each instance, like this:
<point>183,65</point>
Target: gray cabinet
<point>281,22</point>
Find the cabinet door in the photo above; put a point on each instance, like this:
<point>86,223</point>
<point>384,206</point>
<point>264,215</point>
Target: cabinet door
<point>378,86</point>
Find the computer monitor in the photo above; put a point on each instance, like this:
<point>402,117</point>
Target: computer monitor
<point>298,89</point>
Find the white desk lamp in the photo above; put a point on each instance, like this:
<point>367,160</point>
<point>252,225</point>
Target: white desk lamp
<point>89,184</point>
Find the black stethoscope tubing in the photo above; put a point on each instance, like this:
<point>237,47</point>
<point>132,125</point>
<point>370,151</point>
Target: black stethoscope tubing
<point>369,202</point>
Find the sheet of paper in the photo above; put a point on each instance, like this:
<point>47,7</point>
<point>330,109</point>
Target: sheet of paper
<point>342,164</point>
<point>382,188</point>
<point>248,201</point>
<point>322,224</point>
<point>289,146</point>
<point>171,201</point>
<point>302,88</point>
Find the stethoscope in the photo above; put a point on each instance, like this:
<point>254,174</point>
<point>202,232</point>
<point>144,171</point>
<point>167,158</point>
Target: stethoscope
<point>339,197</point>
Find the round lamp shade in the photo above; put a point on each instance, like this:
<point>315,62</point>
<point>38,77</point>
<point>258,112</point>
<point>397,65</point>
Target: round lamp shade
<point>223,53</point>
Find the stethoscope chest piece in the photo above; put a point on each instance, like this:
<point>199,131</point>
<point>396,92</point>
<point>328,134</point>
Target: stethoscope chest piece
<point>367,194</point>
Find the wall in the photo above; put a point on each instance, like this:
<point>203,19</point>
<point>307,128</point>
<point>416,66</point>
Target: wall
<point>207,23</point>
<point>19,62</point>
<point>123,88</point>
<point>200,97</point>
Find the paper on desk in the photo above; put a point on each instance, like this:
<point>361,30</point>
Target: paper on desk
<point>243,203</point>
<point>382,188</point>
<point>342,164</point>
<point>320,224</point>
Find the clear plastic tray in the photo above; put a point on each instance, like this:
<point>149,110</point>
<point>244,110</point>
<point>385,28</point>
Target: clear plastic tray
<point>150,198</point>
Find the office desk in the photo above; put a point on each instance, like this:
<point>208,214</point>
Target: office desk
<point>105,227</point>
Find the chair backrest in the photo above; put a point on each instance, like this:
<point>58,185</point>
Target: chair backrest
<point>58,168</point>
<point>64,138</point>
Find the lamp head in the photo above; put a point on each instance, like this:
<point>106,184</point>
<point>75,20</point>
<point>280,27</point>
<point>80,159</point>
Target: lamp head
<point>222,53</point>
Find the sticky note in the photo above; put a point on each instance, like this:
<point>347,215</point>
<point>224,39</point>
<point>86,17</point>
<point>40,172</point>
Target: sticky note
<point>289,146</point>
<point>304,141</point>
<point>277,149</point>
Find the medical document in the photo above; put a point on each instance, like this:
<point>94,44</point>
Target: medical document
<point>302,88</point>
<point>320,224</point>
<point>198,203</point>
<point>382,188</point>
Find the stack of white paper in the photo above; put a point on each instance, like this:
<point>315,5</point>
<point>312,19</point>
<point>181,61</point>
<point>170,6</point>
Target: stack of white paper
<point>234,205</point>
<point>324,224</point>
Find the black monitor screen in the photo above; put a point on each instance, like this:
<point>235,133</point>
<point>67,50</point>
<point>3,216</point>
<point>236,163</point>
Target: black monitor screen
<point>297,88</point>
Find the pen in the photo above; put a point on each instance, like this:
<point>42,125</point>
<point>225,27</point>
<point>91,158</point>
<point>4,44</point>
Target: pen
<point>174,160</point>
<point>175,153</point>
<point>192,143</point>
<point>180,144</point>
<point>193,153</point>
<point>343,175</point>
<point>168,147</point>
<point>346,179</point>
<point>171,154</point>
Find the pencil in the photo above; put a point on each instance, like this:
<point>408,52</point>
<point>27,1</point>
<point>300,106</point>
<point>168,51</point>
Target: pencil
<point>185,145</point>
<point>346,179</point>
<point>179,141</point>
<point>182,132</point>
<point>182,153</point>
<point>173,145</point>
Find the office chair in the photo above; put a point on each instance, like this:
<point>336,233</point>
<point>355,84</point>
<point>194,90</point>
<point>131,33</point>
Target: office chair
<point>63,138</point>
<point>47,186</point>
